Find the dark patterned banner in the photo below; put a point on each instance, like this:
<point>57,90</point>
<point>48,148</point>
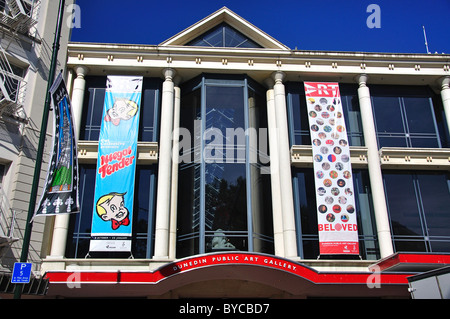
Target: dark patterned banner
<point>60,195</point>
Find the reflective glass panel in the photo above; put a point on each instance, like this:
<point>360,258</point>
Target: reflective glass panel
<point>388,116</point>
<point>435,195</point>
<point>401,199</point>
<point>419,114</point>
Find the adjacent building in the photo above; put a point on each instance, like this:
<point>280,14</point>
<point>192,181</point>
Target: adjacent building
<point>27,31</point>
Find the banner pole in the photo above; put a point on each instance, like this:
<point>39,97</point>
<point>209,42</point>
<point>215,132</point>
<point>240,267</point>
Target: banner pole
<point>40,149</point>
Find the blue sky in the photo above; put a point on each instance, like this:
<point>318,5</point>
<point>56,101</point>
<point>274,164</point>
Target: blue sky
<point>338,25</point>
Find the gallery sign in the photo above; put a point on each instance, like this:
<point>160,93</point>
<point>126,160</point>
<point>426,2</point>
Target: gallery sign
<point>338,230</point>
<point>116,164</point>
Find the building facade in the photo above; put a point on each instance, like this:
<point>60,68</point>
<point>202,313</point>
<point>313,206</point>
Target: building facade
<point>27,31</point>
<point>225,202</point>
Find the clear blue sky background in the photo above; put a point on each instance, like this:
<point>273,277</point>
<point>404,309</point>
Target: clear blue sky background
<point>338,25</point>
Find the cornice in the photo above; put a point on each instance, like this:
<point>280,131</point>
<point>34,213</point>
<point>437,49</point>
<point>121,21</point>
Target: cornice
<point>386,68</point>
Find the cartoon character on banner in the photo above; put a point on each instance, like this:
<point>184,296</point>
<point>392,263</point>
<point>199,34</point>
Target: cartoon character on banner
<point>123,109</point>
<point>111,207</point>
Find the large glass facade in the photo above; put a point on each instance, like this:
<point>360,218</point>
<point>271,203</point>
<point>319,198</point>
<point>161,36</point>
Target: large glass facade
<point>222,206</point>
<point>418,201</point>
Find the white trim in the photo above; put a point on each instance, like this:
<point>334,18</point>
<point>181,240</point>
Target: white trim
<point>225,15</point>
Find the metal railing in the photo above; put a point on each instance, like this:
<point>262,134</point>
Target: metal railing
<point>7,216</point>
<point>19,15</point>
<point>12,87</point>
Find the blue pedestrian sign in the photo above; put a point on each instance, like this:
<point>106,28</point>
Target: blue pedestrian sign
<point>21,273</point>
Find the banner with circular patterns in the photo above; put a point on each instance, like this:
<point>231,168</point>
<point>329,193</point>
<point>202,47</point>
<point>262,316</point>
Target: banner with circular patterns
<point>337,225</point>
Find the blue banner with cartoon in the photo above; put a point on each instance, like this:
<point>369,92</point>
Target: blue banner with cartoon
<point>116,165</point>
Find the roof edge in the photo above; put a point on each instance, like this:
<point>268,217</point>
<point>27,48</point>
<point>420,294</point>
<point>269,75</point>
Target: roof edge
<point>225,15</point>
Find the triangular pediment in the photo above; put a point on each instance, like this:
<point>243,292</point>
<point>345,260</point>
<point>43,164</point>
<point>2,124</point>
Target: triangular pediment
<point>224,17</point>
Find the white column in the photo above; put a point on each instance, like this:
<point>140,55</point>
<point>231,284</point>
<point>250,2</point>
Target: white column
<point>287,201</point>
<point>175,161</point>
<point>374,167</point>
<point>61,227</point>
<point>277,210</point>
<point>79,85</point>
<point>164,167</point>
<point>445,95</point>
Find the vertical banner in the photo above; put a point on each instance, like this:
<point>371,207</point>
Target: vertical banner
<point>116,165</point>
<point>338,231</point>
<point>60,195</point>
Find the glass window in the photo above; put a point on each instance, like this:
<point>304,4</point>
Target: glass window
<point>2,173</point>
<point>434,192</point>
<point>298,117</point>
<point>387,109</point>
<point>418,210</point>
<point>419,114</point>
<point>92,108</point>
<point>401,198</point>
<point>405,116</point>
<point>150,110</point>
<point>224,35</point>
<point>306,214</point>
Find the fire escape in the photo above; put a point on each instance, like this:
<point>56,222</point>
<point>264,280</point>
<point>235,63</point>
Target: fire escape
<point>17,17</point>
<point>17,21</point>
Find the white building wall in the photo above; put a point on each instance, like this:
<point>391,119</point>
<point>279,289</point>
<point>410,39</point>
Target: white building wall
<point>20,139</point>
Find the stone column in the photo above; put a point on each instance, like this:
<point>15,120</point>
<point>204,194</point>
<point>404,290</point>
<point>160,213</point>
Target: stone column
<point>277,210</point>
<point>445,95</point>
<point>61,227</point>
<point>374,167</point>
<point>164,167</point>
<point>287,201</point>
<point>175,162</point>
<point>79,85</point>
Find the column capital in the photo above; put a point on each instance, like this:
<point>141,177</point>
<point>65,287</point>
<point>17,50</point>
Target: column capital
<point>444,82</point>
<point>81,71</point>
<point>362,79</point>
<point>169,74</point>
<point>176,80</point>
<point>278,77</point>
<point>269,82</point>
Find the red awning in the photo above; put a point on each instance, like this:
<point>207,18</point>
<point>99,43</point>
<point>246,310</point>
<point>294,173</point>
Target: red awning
<point>275,273</point>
